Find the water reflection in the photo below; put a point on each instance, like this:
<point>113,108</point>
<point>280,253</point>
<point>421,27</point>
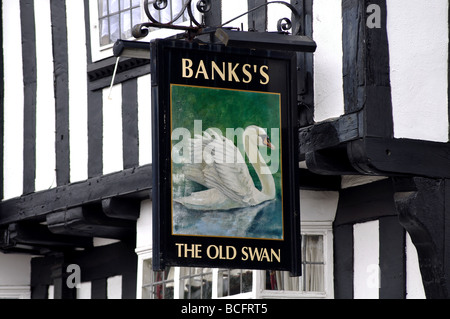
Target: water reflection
<point>262,221</point>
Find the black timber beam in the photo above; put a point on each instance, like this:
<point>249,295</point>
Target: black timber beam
<point>34,238</point>
<point>89,221</point>
<point>390,157</point>
<point>133,183</point>
<point>424,210</point>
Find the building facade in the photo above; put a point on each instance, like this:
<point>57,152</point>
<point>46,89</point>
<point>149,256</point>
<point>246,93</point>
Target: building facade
<point>76,208</point>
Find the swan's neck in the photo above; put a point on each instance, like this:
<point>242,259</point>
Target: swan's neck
<point>260,166</point>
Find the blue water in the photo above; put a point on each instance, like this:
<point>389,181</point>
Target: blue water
<point>261,222</point>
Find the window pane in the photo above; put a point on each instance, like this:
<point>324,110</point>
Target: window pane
<point>124,4</point>
<point>313,248</point>
<point>114,28</point>
<point>313,268</point>
<point>136,13</point>
<point>313,264</point>
<point>196,282</point>
<point>103,8</point>
<point>166,14</point>
<point>162,284</point>
<point>104,32</point>
<point>233,282</point>
<point>113,6</point>
<point>313,275</point>
<point>281,280</point>
<point>125,20</point>
<point>135,3</point>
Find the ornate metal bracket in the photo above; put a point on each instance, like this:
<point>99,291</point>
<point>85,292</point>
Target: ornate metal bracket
<point>203,6</point>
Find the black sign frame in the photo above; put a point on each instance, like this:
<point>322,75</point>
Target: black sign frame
<point>182,69</point>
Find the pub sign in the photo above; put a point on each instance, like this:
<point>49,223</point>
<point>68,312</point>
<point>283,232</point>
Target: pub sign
<point>225,170</point>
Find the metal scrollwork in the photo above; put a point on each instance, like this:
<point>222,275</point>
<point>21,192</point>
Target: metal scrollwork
<point>204,6</point>
<point>141,30</point>
<point>284,24</point>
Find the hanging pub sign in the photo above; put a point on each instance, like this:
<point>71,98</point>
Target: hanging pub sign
<point>225,171</point>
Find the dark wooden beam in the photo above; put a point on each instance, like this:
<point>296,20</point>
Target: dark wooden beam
<point>257,20</point>
<point>366,67</point>
<point>131,183</point>
<point>424,210</point>
<point>331,161</point>
<point>89,221</point>
<point>388,156</point>
<point>311,181</point>
<point>30,95</point>
<point>61,87</point>
<point>100,73</point>
<point>122,208</point>
<point>38,236</point>
<point>330,133</point>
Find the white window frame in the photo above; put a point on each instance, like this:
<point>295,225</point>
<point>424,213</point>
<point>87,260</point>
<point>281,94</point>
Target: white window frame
<point>145,254</point>
<point>102,52</point>
<point>15,292</point>
<point>308,228</point>
<point>259,276</point>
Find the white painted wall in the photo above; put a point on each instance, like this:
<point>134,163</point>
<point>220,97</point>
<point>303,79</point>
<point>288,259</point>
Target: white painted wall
<point>275,12</point>
<point>145,120</point>
<point>15,275</point>
<point>112,130</point>
<point>15,269</point>
<point>45,100</point>
<point>144,233</point>
<point>366,260</point>
<point>418,46</point>
<point>76,41</point>
<point>328,81</point>
<point>233,8</point>
<point>13,101</point>
<point>114,287</point>
<point>414,284</point>
<point>318,206</point>
<point>84,291</point>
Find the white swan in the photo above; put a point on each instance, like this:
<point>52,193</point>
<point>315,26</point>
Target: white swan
<point>224,172</point>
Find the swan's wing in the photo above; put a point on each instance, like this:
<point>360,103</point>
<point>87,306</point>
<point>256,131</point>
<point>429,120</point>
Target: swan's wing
<point>194,170</point>
<point>226,170</point>
<point>215,162</point>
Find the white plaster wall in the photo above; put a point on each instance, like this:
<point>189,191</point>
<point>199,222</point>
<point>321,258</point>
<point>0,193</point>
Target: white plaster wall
<point>418,46</point>
<point>144,233</point>
<point>112,130</point>
<point>76,41</point>
<point>114,287</point>
<point>366,260</point>
<point>318,206</point>
<point>15,270</point>
<point>275,12</point>
<point>45,100</point>
<point>414,284</point>
<point>84,290</point>
<point>145,120</point>
<point>233,8</point>
<point>13,101</point>
<point>328,81</point>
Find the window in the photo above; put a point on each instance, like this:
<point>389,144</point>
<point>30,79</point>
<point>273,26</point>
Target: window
<point>206,283</point>
<point>194,283</point>
<point>234,282</point>
<point>116,19</point>
<point>111,20</point>
<point>312,279</point>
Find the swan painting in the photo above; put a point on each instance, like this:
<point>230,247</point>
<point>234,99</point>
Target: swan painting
<point>225,174</point>
<point>226,171</point>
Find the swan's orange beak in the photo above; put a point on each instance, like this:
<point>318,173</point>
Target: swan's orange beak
<point>268,144</point>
